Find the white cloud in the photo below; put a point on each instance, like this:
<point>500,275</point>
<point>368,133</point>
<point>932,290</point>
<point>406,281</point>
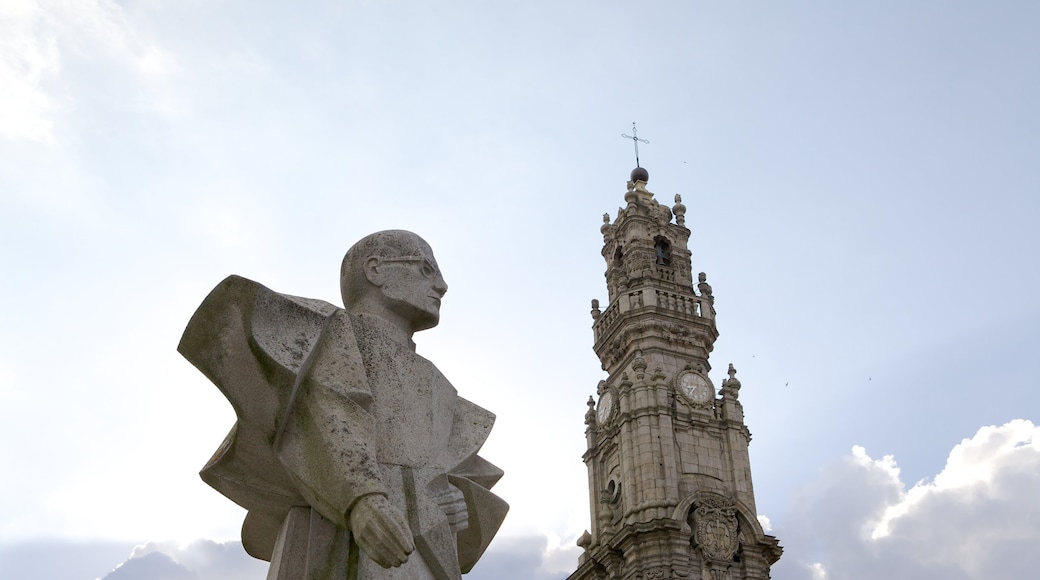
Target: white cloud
<point>978,518</point>
<point>27,58</point>
<point>974,463</point>
<point>37,40</point>
<point>767,525</point>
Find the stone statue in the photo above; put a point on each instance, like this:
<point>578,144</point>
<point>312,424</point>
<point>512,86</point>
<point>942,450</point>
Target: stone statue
<point>353,455</point>
<point>704,288</point>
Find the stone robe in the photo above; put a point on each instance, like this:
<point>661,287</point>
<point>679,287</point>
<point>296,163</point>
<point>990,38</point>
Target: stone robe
<point>330,409</point>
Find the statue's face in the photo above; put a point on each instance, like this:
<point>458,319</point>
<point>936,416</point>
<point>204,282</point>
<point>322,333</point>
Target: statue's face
<point>413,286</point>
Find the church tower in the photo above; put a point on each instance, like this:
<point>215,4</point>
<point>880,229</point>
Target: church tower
<point>669,475</point>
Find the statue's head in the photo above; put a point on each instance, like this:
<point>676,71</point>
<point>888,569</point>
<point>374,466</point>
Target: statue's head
<point>393,274</point>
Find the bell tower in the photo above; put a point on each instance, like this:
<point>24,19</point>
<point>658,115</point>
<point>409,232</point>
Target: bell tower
<point>670,489</point>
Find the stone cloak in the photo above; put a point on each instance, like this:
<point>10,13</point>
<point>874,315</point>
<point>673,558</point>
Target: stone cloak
<point>257,346</point>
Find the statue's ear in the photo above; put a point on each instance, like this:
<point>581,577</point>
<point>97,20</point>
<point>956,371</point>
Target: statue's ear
<point>373,272</point>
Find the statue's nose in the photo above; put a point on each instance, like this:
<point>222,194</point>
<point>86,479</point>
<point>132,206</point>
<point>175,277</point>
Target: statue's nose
<point>439,285</point>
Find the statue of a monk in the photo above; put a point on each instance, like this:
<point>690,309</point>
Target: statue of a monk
<point>353,455</point>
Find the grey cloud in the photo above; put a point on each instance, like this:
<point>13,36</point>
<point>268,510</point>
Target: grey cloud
<point>199,560</point>
<point>60,559</point>
<point>977,519</point>
<point>154,566</point>
<point>508,558</point>
<point>518,558</point>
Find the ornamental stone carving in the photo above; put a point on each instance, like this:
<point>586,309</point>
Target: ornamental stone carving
<point>715,528</point>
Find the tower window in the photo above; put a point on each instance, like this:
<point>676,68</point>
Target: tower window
<point>618,255</point>
<point>613,491</point>
<point>662,252</point>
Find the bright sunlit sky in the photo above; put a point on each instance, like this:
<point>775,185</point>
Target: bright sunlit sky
<point>863,185</point>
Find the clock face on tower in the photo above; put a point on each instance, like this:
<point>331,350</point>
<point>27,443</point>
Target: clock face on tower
<point>696,387</point>
<point>605,406</point>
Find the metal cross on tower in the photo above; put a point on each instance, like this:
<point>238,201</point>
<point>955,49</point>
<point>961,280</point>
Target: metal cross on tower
<point>635,141</point>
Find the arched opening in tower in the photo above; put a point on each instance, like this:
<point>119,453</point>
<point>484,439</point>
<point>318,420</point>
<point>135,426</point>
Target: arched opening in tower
<point>662,251</point>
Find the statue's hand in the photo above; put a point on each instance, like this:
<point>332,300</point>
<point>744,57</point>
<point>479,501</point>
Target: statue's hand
<point>381,530</point>
<point>454,506</point>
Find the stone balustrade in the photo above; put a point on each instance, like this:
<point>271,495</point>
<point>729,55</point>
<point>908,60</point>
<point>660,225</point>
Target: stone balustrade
<point>636,300</point>
<point>666,274</point>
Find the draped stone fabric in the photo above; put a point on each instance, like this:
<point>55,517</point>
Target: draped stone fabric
<point>330,409</point>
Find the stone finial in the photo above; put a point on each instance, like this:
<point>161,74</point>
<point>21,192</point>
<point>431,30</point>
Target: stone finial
<point>639,364</point>
<point>679,210</point>
<point>631,197</point>
<point>590,415</point>
<point>595,309</point>
<point>704,288</point>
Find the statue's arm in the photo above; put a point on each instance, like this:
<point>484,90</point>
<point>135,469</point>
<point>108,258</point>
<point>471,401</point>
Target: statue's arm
<point>327,445</point>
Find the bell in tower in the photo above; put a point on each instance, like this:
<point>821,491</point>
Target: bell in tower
<point>670,489</point>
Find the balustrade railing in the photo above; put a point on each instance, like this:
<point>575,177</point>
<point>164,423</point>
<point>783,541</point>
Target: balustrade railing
<point>638,299</point>
<point>690,305</point>
<point>666,274</point>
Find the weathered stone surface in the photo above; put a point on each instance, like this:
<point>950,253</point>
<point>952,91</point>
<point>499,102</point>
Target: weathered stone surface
<point>353,455</point>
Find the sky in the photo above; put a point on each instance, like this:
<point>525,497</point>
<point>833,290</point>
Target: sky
<point>863,190</point>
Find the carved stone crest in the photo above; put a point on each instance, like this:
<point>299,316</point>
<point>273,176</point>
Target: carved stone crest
<point>715,528</point>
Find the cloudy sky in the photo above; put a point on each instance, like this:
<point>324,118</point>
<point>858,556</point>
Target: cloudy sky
<point>863,185</point>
